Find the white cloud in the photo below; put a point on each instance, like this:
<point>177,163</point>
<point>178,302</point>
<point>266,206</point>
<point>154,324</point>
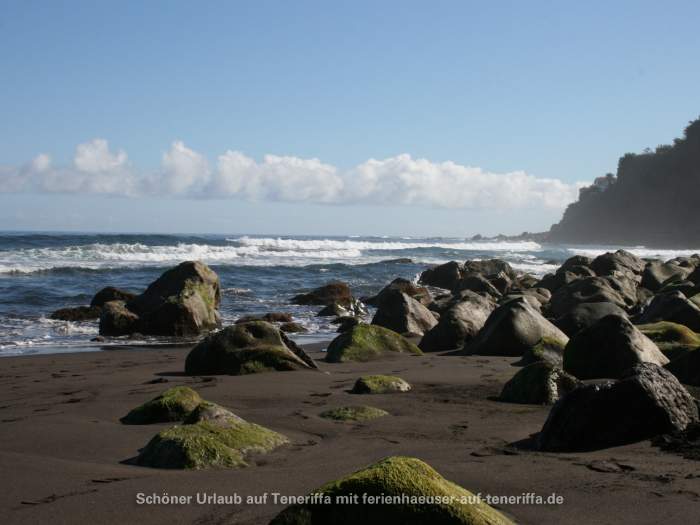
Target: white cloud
<point>399,180</point>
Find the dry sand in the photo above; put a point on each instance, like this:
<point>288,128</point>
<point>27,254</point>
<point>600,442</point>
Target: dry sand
<point>62,446</point>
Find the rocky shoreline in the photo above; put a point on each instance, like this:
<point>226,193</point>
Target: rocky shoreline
<point>604,350</point>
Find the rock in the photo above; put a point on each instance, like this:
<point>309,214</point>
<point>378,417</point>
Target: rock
<point>555,281</point>
<point>331,293</point>
<point>477,283</point>
<point>575,261</point>
<point>110,293</point>
<point>443,276</point>
<point>402,314</point>
<point>584,315</point>
<point>673,339</point>
<point>365,342</point>
<point>77,314</point>
<point>172,405</point>
<point>212,437</point>
<point>116,319</point>
<point>345,323</point>
<point>489,267</point>
<point>380,384</point>
<point>270,317</point>
<point>645,402</point>
<point>546,350</point>
<point>419,293</point>
<point>525,281</point>
<point>674,307</point>
<point>394,477</point>
<point>184,301</point>
<point>513,328</point>
<point>657,273</point>
<point>585,290</point>
<point>685,443</point>
<point>293,328</point>
<point>246,348</point>
<point>687,287</point>
<point>540,383</point>
<point>333,310</point>
<point>620,261</point>
<point>608,348</point>
<point>459,324</point>
<point>353,413</point>
<point>687,367</point>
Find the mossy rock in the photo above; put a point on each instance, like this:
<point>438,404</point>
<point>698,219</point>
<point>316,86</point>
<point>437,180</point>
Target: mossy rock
<point>540,383</point>
<point>365,342</point>
<point>380,384</point>
<point>212,437</point>
<point>246,348</point>
<point>548,350</point>
<point>394,477</point>
<point>673,339</point>
<point>354,413</point>
<point>172,405</point>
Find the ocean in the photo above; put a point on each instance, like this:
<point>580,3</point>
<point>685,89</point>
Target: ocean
<point>42,272</point>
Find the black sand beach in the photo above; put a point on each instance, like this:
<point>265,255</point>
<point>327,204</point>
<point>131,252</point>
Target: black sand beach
<point>62,447</point>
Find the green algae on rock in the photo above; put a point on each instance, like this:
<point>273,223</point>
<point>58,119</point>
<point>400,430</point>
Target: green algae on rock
<point>353,413</point>
<point>673,339</point>
<point>212,437</point>
<point>540,383</point>
<point>547,350</point>
<point>366,342</point>
<point>246,348</point>
<point>172,405</point>
<point>407,483</point>
<point>380,384</point>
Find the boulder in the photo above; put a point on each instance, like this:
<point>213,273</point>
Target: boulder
<point>673,339</point>
<point>212,437</point>
<point>546,350</point>
<point>657,273</point>
<point>555,281</point>
<point>443,276</point>
<point>575,261</point>
<point>459,324</point>
<point>489,267</point>
<point>477,283</point>
<point>645,402</point>
<point>608,348</point>
<point>687,368</point>
<point>674,307</point>
<point>584,315</point>
<point>353,413</point>
<point>172,405</point>
<point>513,328</point>
<point>540,383</point>
<point>331,293</point>
<point>619,261</point>
<point>116,319</point>
<point>77,313</point>
<point>270,317</point>
<point>419,293</point>
<point>394,477</point>
<point>380,384</point>
<point>687,287</point>
<point>184,301</point>
<point>293,328</point>
<point>402,314</point>
<point>585,290</point>
<point>110,293</point>
<point>345,323</point>
<point>246,348</point>
<point>365,342</point>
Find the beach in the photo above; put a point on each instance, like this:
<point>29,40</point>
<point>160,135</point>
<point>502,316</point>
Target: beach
<point>63,449</point>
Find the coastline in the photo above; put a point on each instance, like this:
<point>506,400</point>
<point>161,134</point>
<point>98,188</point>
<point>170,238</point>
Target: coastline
<point>61,439</point>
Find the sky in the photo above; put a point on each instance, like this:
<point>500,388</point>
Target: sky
<point>440,118</point>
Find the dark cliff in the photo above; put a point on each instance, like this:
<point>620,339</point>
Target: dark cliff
<point>652,200</point>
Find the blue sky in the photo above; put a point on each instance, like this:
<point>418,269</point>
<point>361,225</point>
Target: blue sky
<point>511,104</point>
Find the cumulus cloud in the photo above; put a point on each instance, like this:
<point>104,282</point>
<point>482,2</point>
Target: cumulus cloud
<point>399,180</point>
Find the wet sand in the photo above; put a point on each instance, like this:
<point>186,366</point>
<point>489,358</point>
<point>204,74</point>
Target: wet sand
<point>62,447</point>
